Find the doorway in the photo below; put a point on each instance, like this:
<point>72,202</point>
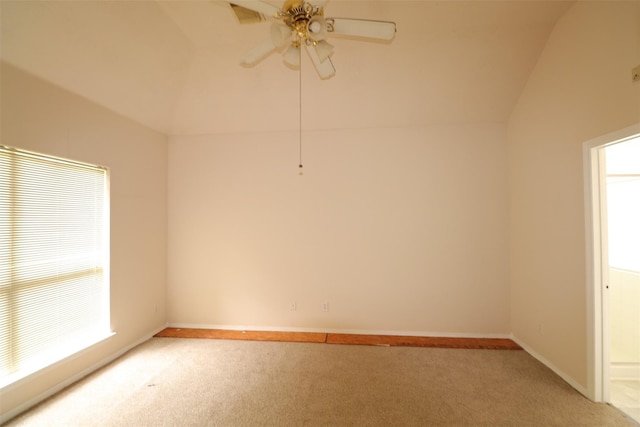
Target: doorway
<point>622,172</point>
<point>614,165</point>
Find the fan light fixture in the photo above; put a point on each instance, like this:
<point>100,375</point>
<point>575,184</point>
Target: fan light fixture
<point>291,56</point>
<point>301,24</point>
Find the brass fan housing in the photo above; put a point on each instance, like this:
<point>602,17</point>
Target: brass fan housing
<point>298,15</point>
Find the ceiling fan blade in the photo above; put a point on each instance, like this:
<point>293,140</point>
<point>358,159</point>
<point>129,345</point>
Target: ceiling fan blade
<point>317,3</point>
<point>381,30</point>
<point>323,49</point>
<point>324,68</point>
<point>258,53</point>
<point>258,6</point>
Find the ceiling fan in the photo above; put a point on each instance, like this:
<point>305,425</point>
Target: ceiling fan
<point>300,24</point>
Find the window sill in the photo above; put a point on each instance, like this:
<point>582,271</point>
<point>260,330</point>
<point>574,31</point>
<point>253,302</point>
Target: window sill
<point>13,380</point>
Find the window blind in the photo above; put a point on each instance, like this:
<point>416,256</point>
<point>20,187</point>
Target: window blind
<point>54,293</point>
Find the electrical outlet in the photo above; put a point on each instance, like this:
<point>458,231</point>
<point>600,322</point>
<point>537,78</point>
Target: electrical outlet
<point>293,306</point>
<point>325,306</point>
<point>540,329</point>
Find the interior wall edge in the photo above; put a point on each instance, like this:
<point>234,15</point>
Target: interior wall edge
<point>8,63</point>
<point>552,304</point>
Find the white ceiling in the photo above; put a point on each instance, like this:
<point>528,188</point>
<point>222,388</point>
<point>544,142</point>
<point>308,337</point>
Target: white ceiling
<point>174,65</point>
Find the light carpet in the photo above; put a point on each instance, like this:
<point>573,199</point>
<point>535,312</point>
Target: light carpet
<point>201,382</point>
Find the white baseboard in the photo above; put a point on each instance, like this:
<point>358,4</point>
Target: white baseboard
<point>573,383</point>
<point>62,385</point>
<point>625,371</point>
<point>337,331</point>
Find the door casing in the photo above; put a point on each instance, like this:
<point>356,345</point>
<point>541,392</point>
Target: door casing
<point>598,342</point>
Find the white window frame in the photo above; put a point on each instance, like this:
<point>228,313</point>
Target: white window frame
<point>50,355</point>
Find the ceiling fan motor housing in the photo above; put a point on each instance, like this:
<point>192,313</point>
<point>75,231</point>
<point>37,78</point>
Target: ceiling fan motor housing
<point>306,21</point>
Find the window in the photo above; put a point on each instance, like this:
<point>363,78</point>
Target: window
<point>54,281</point>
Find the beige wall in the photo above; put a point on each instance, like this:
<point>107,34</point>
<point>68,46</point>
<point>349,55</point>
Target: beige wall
<point>400,230</point>
<point>40,117</point>
<point>581,88</point>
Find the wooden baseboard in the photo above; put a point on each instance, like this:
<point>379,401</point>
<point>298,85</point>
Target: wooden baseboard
<point>440,342</point>
<point>352,339</point>
<point>222,334</point>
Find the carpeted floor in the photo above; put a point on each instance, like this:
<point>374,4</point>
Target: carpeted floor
<point>201,382</point>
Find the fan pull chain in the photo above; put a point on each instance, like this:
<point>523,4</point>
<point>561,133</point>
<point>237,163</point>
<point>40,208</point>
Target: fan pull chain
<point>300,115</point>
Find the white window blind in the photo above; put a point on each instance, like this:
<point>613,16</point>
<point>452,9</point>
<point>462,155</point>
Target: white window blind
<point>54,290</point>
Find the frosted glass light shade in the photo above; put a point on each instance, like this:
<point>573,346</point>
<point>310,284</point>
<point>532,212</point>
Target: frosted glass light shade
<point>291,56</point>
<point>317,28</point>
<point>280,35</point>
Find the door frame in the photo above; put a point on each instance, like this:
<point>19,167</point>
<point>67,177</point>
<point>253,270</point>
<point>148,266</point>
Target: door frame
<point>598,347</point>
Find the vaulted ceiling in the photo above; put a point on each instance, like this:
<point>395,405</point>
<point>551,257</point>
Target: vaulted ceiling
<point>174,65</point>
